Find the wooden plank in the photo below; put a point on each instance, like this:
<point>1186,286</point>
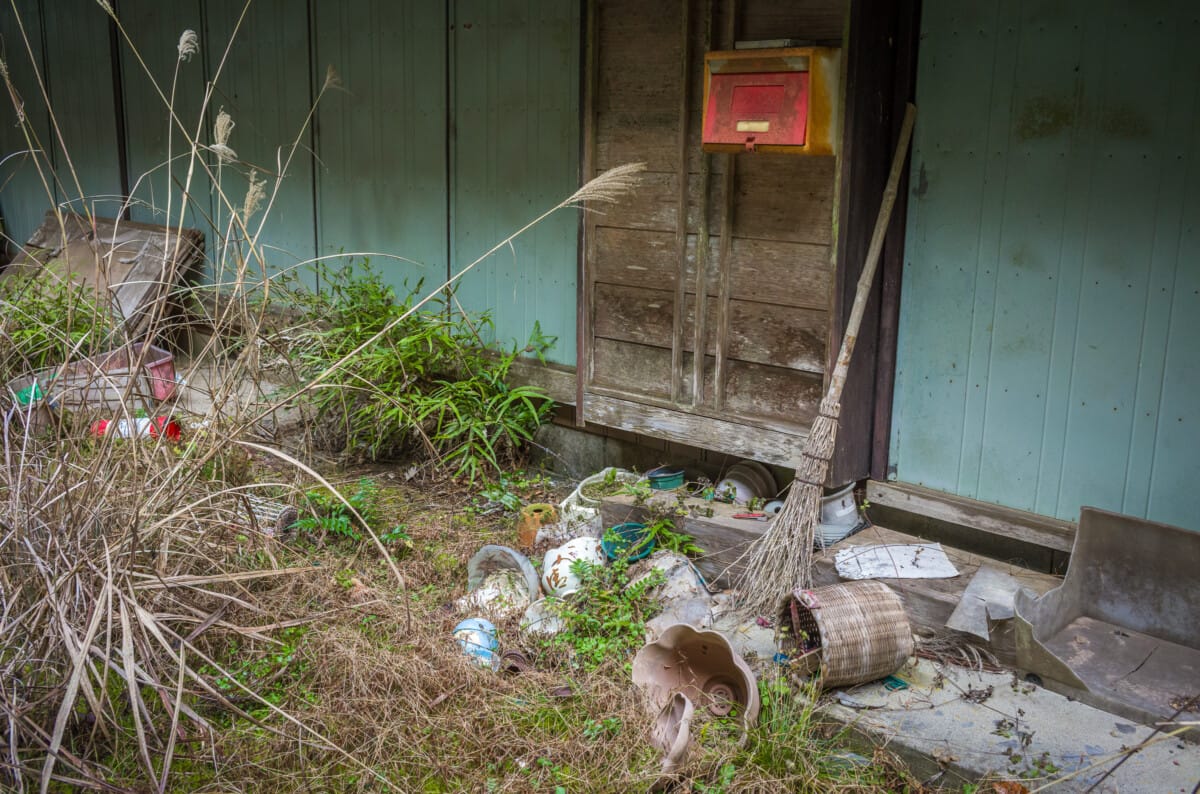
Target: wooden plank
<point>1006,522</point>
<point>785,198</point>
<point>646,136</point>
<point>868,145</point>
<point>724,279</point>
<point>759,332</point>
<point>587,239</point>
<point>904,77</point>
<point>639,56</point>
<point>756,392</point>
<point>556,380</point>
<point>788,274</point>
<point>807,20</point>
<point>654,205</point>
<point>930,602</point>
<point>696,258</point>
<point>681,229</point>
<point>722,435</point>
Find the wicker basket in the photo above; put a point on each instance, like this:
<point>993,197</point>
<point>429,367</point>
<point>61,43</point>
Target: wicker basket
<point>851,632</point>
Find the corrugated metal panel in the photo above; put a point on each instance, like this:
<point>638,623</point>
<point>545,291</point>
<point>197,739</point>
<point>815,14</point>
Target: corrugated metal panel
<point>516,153</point>
<point>151,137</point>
<point>23,195</point>
<point>88,165</point>
<point>381,171</point>
<point>1050,304</point>
<point>263,84</point>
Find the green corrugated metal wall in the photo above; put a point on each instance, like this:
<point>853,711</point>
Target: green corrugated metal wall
<point>1050,318</point>
<point>509,166</point>
<point>401,160</point>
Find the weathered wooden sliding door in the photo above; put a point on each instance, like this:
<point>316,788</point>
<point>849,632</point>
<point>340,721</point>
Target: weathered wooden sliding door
<point>729,255</point>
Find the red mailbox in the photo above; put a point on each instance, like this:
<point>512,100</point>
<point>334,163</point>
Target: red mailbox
<point>778,100</point>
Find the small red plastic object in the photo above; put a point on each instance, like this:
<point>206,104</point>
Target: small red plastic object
<point>163,426</point>
<point>751,516</point>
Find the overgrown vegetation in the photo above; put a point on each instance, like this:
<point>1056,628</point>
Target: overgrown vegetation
<point>423,382</point>
<point>45,322</point>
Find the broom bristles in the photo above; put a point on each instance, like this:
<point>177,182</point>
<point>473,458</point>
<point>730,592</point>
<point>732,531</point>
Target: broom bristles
<point>781,560</point>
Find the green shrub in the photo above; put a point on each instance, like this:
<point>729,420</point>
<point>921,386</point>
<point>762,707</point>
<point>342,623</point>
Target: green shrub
<point>429,384</point>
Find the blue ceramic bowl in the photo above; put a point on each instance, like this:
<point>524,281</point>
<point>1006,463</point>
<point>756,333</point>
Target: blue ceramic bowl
<point>627,536</point>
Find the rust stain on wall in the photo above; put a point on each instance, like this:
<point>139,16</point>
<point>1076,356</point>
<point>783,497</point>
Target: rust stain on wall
<point>1043,116</point>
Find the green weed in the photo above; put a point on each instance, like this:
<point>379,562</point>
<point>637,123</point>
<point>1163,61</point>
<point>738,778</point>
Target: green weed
<point>429,384</point>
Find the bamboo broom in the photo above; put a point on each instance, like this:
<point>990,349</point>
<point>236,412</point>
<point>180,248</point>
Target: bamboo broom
<point>781,559</point>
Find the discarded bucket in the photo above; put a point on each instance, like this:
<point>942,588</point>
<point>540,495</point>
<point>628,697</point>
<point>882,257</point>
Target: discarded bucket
<point>851,633</point>
<point>477,637</point>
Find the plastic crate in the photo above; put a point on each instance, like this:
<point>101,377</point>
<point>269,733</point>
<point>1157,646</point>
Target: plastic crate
<point>103,381</point>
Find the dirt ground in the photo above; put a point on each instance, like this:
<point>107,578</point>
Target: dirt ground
<point>374,693</point>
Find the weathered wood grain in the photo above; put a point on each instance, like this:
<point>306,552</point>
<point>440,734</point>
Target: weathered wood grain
<point>787,398</point>
<point>807,20</point>
<point>1006,522</point>
<point>639,55</point>
<point>762,333</point>
<point>784,197</point>
<point>696,430</point>
<point>768,271</point>
<point>655,205</point>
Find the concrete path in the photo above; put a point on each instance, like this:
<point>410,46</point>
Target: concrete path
<point>961,726</point>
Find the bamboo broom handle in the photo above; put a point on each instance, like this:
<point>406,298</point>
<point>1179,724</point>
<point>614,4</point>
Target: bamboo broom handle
<point>868,272</point>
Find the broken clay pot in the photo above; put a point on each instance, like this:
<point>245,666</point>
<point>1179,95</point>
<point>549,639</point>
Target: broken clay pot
<point>530,520</point>
<point>672,731</point>
<point>702,666</point>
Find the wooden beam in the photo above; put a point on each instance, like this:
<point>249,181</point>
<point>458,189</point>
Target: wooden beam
<point>734,438</point>
<point>587,243</point>
<point>720,375</point>
<point>681,224</point>
<point>904,81</point>
<point>557,380</point>
<point>1004,522</point>
<point>701,286</point>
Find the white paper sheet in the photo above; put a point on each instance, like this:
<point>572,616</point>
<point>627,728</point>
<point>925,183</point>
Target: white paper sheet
<point>895,561</point>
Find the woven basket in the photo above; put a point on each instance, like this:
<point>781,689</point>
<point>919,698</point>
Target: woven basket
<point>852,633</point>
